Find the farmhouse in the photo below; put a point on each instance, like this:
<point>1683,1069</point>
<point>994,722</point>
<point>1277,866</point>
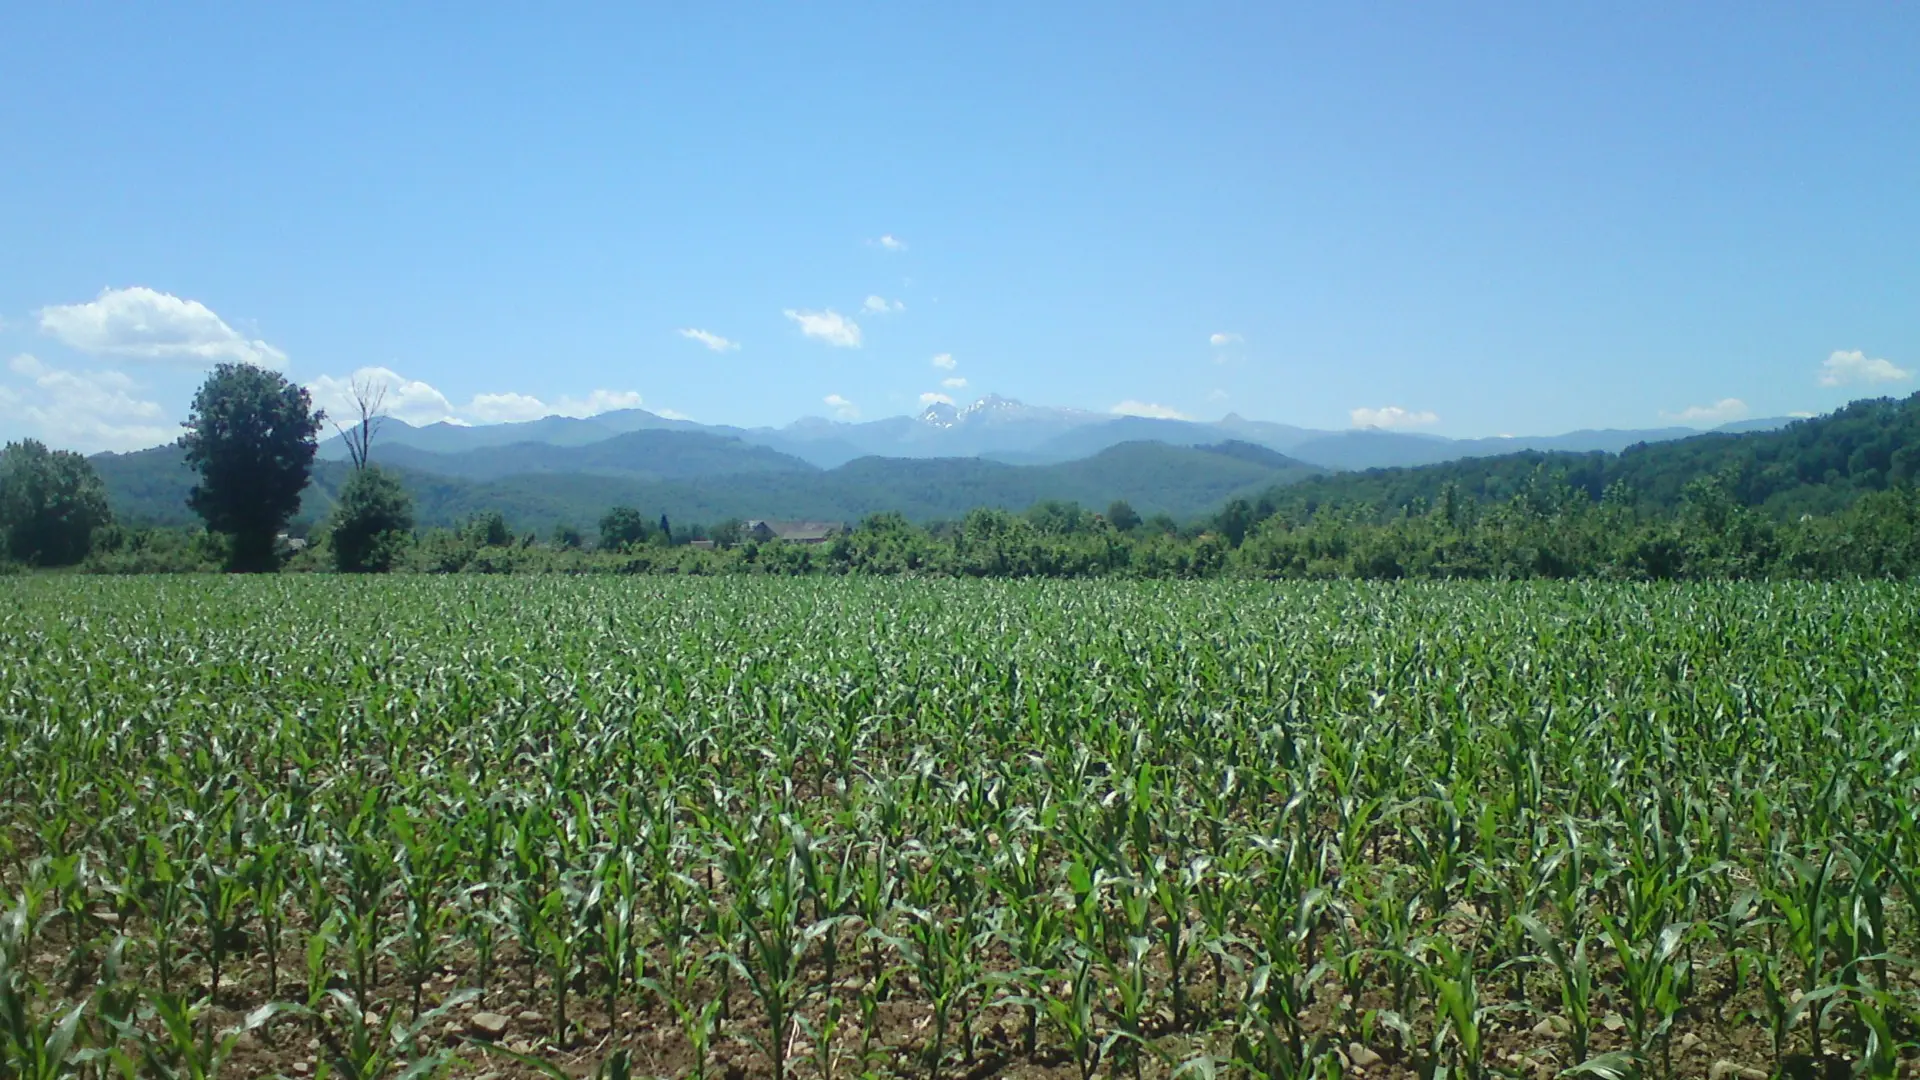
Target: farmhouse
<point>793,532</point>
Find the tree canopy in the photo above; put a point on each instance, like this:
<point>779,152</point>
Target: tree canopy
<point>251,435</point>
<point>51,504</point>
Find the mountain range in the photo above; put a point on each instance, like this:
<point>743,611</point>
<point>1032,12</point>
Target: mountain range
<point>939,464</point>
<point>1002,429</point>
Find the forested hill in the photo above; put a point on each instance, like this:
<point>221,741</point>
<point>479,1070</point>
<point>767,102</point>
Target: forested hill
<point>1811,466</point>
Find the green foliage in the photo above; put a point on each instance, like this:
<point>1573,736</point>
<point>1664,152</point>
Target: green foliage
<point>622,527</point>
<point>372,524</point>
<point>1122,516</point>
<point>251,435</point>
<point>51,505</point>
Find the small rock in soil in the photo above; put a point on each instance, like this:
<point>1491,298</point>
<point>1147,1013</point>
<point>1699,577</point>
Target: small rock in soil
<point>301,1068</point>
<point>520,1046</point>
<point>489,1025</point>
<point>1688,1042</point>
<point>1727,1070</point>
<point>1552,1027</point>
<point>531,1017</point>
<point>1614,1022</point>
<point>1362,1057</point>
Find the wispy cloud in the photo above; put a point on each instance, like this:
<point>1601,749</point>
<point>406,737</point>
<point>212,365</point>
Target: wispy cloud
<point>1224,338</point>
<point>955,383</point>
<point>1719,412</point>
<point>81,410</point>
<point>142,324</point>
<point>931,398</point>
<point>890,242</point>
<point>710,340</point>
<point>842,408</point>
<point>1853,367</point>
<point>945,361</point>
<point>1148,409</point>
<point>828,326</point>
<point>880,305</point>
<point>1392,417</point>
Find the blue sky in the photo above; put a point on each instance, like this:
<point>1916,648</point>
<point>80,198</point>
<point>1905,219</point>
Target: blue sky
<point>1464,219</point>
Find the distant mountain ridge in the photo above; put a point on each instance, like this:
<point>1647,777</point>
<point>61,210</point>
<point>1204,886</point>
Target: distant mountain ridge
<point>1009,431</point>
<point>725,478</point>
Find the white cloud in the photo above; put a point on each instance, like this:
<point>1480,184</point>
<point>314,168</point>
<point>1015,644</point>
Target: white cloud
<point>1217,395</point>
<point>507,408</point>
<point>1803,415</point>
<point>1846,368</point>
<point>891,243</point>
<point>844,409</point>
<point>671,414</point>
<point>828,326</point>
<point>945,362</point>
<point>1149,410</point>
<point>1392,416</point>
<point>414,402</point>
<point>597,402</point>
<point>710,340</point>
<point>408,400</point>
<point>880,305</point>
<point>81,410</point>
<point>1223,338</point>
<point>142,324</point>
<point>1717,413</point>
<point>955,383</point>
<point>931,398</point>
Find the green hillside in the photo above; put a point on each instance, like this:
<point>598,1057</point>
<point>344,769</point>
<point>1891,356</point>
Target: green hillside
<point>1817,465</point>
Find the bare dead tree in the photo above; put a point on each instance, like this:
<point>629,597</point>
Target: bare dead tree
<point>369,400</point>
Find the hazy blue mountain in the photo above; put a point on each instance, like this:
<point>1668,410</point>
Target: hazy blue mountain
<point>150,487</point>
<point>640,455</point>
<point>1012,432</point>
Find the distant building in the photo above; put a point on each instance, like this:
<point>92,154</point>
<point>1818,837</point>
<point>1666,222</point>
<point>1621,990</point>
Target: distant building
<point>703,545</point>
<point>793,532</point>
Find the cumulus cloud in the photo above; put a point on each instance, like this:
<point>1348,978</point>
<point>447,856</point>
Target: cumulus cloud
<point>880,305</point>
<point>1849,368</point>
<point>710,340</point>
<point>931,398</point>
<point>955,383</point>
<point>1224,338</point>
<point>414,402</point>
<point>408,400</point>
<point>890,242</point>
<point>671,414</point>
<point>507,408</point>
<point>1392,417</point>
<point>828,326</point>
<point>945,361</point>
<point>1717,413</point>
<point>86,411</point>
<point>844,409</point>
<point>143,324</point>
<point>1149,410</point>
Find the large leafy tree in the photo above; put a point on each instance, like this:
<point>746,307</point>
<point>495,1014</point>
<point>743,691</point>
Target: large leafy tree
<point>51,503</point>
<point>251,435</point>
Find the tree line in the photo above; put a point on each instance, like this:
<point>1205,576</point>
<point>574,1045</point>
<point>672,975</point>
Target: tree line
<point>251,435</point>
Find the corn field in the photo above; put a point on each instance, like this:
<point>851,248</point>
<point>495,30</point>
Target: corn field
<point>833,829</point>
